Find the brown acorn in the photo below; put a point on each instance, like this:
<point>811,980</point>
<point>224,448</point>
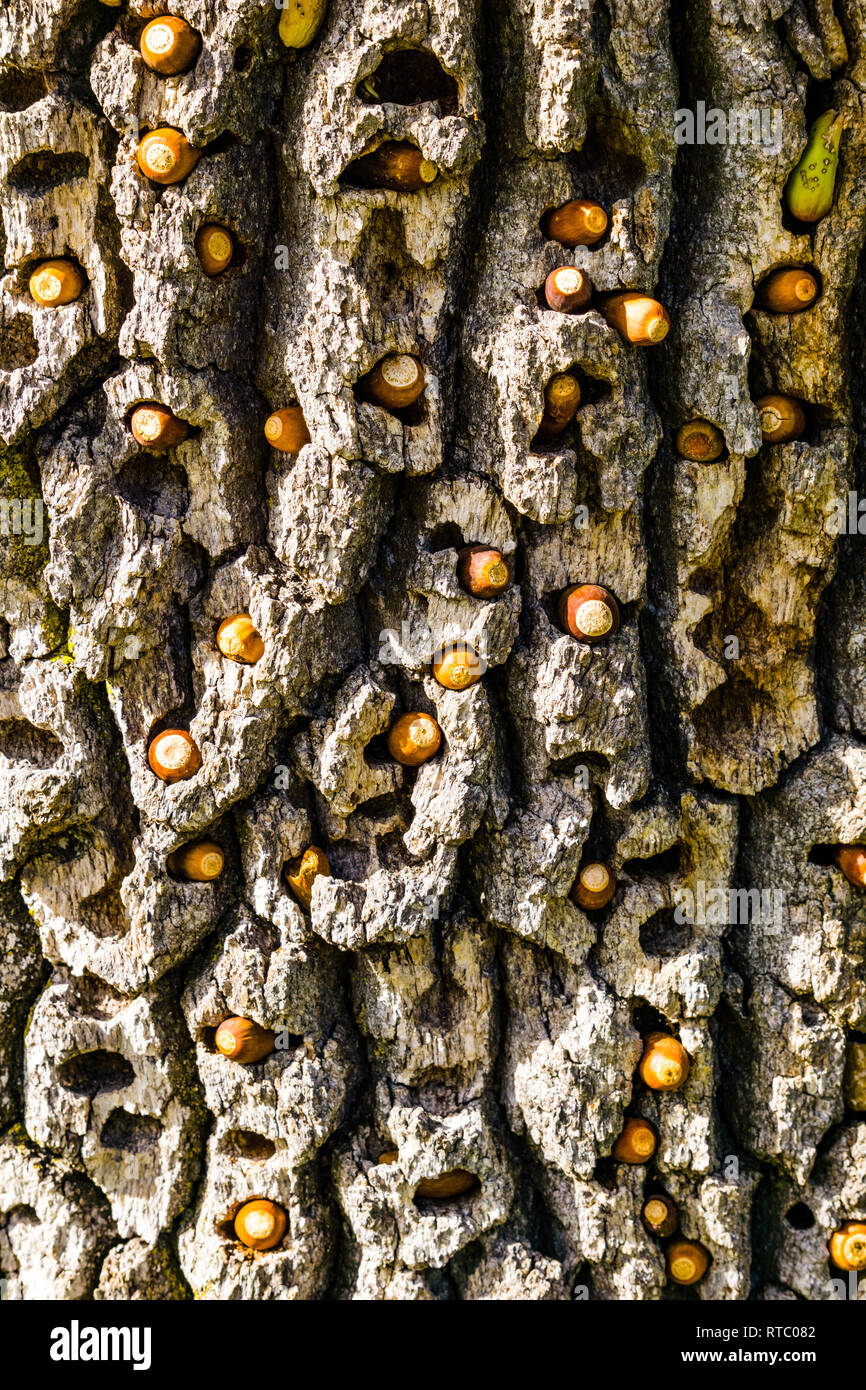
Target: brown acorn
<point>854,1082</point>
<point>848,1246</point>
<point>782,418</point>
<point>302,872</point>
<point>199,863</point>
<point>594,886</point>
<point>567,289</point>
<point>414,739</point>
<point>665,1063</point>
<point>173,755</point>
<point>578,223</point>
<point>700,441</point>
<point>215,247</point>
<point>660,1215</point>
<point>589,612</point>
<point>260,1225</point>
<point>483,571</point>
<point>238,639</point>
<point>637,317</point>
<point>637,1143</point>
<point>155,427</point>
<point>456,666</point>
<point>395,382</point>
<point>244,1041</point>
<point>687,1261</point>
<point>852,861</point>
<point>397,165</point>
<point>165,156</point>
<point>561,399</point>
<point>57,282</point>
<point>169,45</point>
<point>787,291</point>
<point>451,1184</point>
<point>286,430</point>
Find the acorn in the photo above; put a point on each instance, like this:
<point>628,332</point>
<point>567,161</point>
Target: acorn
<point>260,1224</point>
<point>848,1246</point>
<point>457,666</point>
<point>665,1063</point>
<point>782,418</point>
<point>687,1261</point>
<point>169,45</point>
<point>787,291</point>
<point>166,156</point>
<point>660,1215</point>
<point>561,399</point>
<point>302,872</point>
<point>395,382</point>
<point>414,739</point>
<point>578,223</point>
<point>238,639</point>
<point>57,282</point>
<point>244,1041</point>
<point>588,611</point>
<point>397,165</point>
<point>200,862</point>
<point>852,861</point>
<point>594,886</point>
<point>451,1184</point>
<point>483,571</point>
<point>215,247</point>
<point>173,755</point>
<point>155,427</point>
<point>637,1143</point>
<point>286,430</point>
<point>637,317</point>
<point>567,289</point>
<point>854,1082</point>
<point>699,441</point>
<point>300,21</point>
<point>809,190</point>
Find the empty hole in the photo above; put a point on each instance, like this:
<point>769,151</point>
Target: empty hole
<point>377,754</point>
<point>646,1019</point>
<point>446,536</point>
<point>154,487</point>
<point>207,1039</point>
<point>407,77</point>
<point>38,173</point>
<point>18,90</point>
<point>17,344</point>
<point>663,936</point>
<point>242,59</point>
<point>133,1133</point>
<point>22,742</point>
<point>244,1143</point>
<point>800,1217</point>
<point>668,861</point>
<point>91,1073</point>
<point>823,854</point>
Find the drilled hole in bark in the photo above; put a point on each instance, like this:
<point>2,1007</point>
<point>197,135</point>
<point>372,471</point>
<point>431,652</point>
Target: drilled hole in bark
<point>157,488</point>
<point>18,90</point>
<point>800,1217</point>
<point>824,855</point>
<point>133,1133</point>
<point>91,1073</point>
<point>408,77</point>
<point>245,1143</point>
<point>662,936</point>
<point>242,59</point>
<point>667,861</point>
<point>18,346</point>
<point>38,173</point>
<point>23,742</point>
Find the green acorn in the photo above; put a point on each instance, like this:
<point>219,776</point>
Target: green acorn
<point>809,190</point>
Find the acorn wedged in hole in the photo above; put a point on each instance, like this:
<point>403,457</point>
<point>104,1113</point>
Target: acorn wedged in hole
<point>580,222</point>
<point>851,859</point>
<point>239,640</point>
<point>457,666</point>
<point>165,156</point>
<point>782,418</point>
<point>169,45</point>
<point>215,247</point>
<point>414,739</point>
<point>848,1246</point>
<point>451,1184</point>
<point>588,612</point>
<point>561,399</point>
<point>637,1143</point>
<point>659,1215</point>
<point>787,291</point>
<point>56,282</point>
<point>260,1225</point>
<point>687,1261</point>
<point>637,317</point>
<point>173,755</point>
<point>854,1080</point>
<point>567,289</point>
<point>699,441</point>
<point>286,430</point>
<point>154,426</point>
<point>397,165</point>
<point>483,571</point>
<point>395,382</point>
<point>665,1063</point>
<point>594,886</point>
<point>243,1040</point>
<point>201,862</point>
<point>302,872</point>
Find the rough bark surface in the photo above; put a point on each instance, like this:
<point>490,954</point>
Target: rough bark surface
<point>444,997</point>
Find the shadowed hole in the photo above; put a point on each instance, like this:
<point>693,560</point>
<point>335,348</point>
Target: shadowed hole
<point>668,861</point>
<point>91,1073</point>
<point>800,1217</point>
<point>43,170</point>
<point>825,855</point>
<point>18,90</point>
<point>158,488</point>
<point>244,1143</point>
<point>663,936</point>
<point>17,344</point>
<point>22,742</point>
<point>408,77</point>
<point>133,1133</point>
<point>242,59</point>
